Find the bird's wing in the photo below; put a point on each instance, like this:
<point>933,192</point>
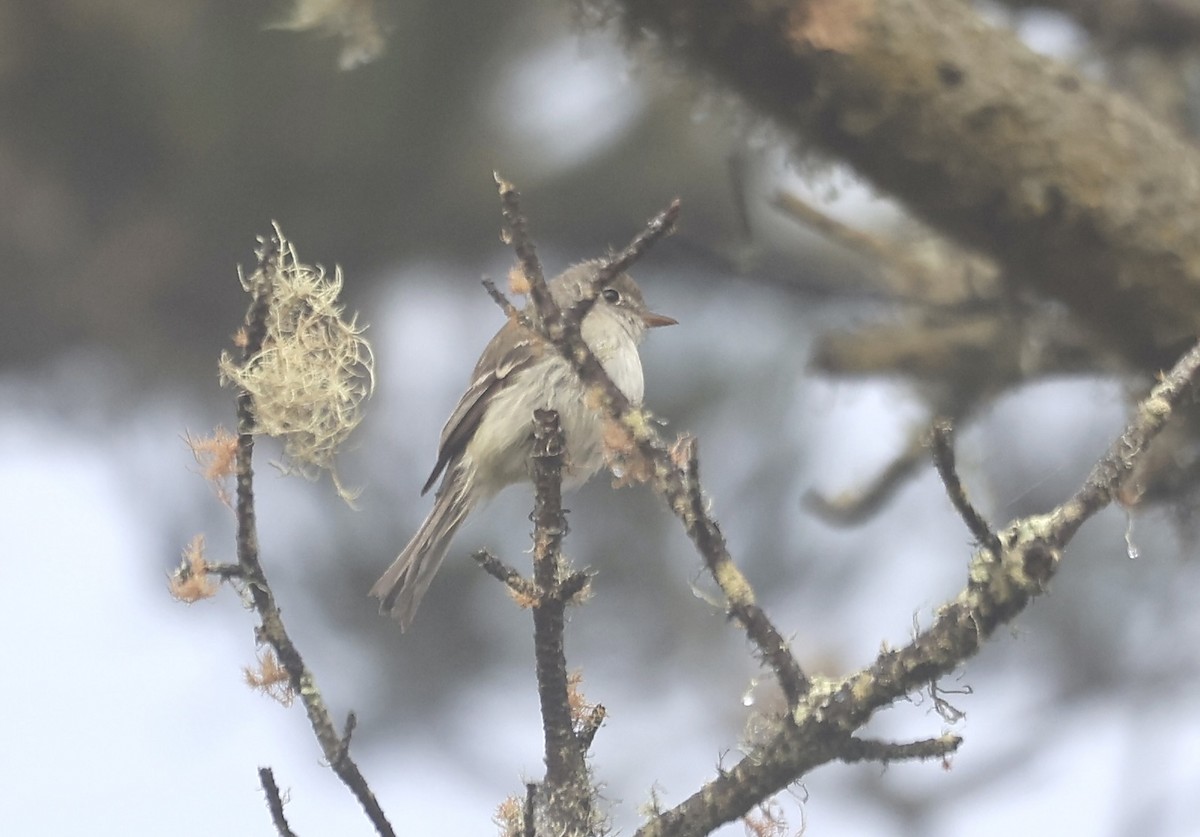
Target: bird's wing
<point>494,371</point>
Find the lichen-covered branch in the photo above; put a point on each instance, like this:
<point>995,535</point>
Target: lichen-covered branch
<point>999,586</point>
<point>521,587</point>
<point>566,795</point>
<point>272,630</point>
<point>565,801</point>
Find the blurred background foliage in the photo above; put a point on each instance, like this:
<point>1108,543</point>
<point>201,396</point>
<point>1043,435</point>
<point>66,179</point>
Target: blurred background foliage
<point>144,145</point>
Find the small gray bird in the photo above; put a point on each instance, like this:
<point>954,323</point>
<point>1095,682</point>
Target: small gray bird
<point>487,441</point>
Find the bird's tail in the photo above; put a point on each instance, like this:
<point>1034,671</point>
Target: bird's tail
<point>402,586</point>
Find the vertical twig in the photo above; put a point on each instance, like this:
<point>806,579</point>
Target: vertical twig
<point>272,630</point>
<point>567,792</point>
<point>547,315</point>
<point>530,830</point>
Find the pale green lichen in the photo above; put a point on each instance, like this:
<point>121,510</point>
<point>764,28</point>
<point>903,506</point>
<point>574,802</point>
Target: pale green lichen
<point>314,370</point>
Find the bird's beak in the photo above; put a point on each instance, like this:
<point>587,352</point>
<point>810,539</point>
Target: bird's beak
<point>653,320</point>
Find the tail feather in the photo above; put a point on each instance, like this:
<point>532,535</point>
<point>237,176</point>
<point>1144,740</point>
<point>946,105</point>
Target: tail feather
<point>403,585</point>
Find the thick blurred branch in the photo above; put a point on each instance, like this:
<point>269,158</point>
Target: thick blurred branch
<point>1074,190</point>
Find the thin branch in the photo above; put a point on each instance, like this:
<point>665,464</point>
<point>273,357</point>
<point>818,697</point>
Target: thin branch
<point>511,311</point>
<point>508,575</point>
<point>742,605</point>
<point>929,270</point>
<point>658,227</point>
<point>870,749</point>
<point>943,459</point>
<point>852,239</point>
<point>567,790</point>
<point>999,587</point>
<point>272,628</point>
<point>266,777</point>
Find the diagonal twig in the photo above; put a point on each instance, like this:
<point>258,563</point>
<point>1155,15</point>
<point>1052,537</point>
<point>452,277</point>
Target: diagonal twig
<point>943,459</point>
<point>511,311</point>
<point>266,777</point>
<point>870,749</point>
<point>507,574</point>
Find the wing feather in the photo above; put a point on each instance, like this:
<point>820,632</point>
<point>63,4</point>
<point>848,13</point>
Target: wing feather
<point>511,350</point>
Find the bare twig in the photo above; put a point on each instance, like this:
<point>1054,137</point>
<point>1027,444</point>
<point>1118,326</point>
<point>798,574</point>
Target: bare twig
<point>274,802</point>
<point>658,227</point>
<point>511,311</point>
<point>1119,463</point>
<point>347,732</point>
<point>942,436</point>
<point>507,574</point>
<point>272,629</point>
<point>869,749</point>
<point>224,571</point>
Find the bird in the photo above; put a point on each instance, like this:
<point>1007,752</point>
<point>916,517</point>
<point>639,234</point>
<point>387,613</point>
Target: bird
<point>486,443</point>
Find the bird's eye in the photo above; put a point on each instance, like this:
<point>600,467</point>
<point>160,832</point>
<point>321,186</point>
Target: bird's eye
<point>612,295</point>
